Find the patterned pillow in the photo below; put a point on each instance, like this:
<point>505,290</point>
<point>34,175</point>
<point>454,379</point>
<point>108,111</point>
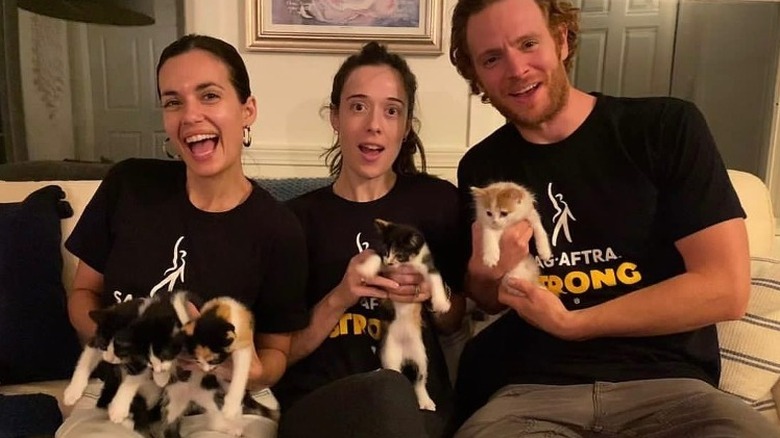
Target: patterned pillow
<point>750,347</point>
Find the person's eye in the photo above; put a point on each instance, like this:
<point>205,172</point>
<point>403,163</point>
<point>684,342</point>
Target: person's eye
<point>530,44</point>
<point>490,61</point>
<point>170,104</point>
<point>358,107</point>
<point>210,96</point>
<point>393,111</point>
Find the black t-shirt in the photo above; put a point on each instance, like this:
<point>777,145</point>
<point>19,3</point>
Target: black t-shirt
<point>336,230</point>
<point>143,234</point>
<point>614,196</point>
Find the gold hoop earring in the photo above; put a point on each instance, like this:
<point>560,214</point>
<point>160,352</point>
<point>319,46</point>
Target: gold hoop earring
<point>247,137</point>
<point>167,153</point>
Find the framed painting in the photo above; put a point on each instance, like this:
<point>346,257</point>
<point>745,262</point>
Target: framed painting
<point>343,26</point>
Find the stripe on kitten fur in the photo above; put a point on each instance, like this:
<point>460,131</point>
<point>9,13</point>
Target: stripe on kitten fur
<point>402,341</point>
<point>500,205</point>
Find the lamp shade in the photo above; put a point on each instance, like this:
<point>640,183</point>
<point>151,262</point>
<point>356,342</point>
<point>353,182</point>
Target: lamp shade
<point>114,12</point>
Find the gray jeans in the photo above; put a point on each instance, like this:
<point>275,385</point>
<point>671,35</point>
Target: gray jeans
<point>87,421</point>
<point>674,408</point>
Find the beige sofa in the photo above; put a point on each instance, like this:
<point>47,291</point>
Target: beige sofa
<point>746,356</point>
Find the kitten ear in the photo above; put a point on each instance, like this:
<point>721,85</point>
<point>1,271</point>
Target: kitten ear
<point>98,315</point>
<point>381,224</point>
<point>477,192</point>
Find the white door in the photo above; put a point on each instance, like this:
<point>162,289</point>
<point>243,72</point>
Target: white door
<point>626,47</point>
<point>122,64</point>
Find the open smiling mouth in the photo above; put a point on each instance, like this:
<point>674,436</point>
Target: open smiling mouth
<point>202,145</point>
<point>527,90</point>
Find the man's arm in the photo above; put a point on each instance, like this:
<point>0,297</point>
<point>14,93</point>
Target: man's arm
<point>715,287</point>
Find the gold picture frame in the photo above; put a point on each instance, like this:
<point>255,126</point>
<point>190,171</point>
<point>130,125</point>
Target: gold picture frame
<point>411,27</point>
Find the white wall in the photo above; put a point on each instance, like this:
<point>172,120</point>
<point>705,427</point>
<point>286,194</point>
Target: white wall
<point>290,134</point>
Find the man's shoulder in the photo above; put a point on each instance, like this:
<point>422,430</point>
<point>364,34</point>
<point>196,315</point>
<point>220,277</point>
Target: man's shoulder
<point>645,108</point>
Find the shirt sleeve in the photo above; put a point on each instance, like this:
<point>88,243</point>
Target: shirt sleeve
<point>695,191</point>
<point>90,241</point>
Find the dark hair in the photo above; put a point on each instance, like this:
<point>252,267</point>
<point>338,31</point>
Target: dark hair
<point>559,13</point>
<point>374,53</point>
<point>228,54</point>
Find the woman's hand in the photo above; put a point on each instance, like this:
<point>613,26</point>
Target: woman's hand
<point>412,287</point>
<point>354,286</point>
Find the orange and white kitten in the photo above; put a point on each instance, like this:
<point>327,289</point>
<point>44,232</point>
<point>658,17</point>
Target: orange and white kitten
<point>500,205</point>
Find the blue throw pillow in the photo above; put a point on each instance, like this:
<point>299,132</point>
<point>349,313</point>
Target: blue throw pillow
<point>37,341</point>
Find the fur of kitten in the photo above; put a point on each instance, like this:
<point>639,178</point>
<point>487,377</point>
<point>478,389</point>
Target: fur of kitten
<point>402,342</point>
<point>147,350</point>
<point>500,205</point>
<point>207,392</point>
<point>109,321</point>
<point>225,328</point>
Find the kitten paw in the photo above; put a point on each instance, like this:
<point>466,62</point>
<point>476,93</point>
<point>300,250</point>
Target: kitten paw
<point>231,412</point>
<point>440,306</point>
<point>490,260</point>
<point>545,253</point>
<point>427,404</point>
<point>73,393</point>
<point>370,267</point>
<point>222,425</point>
<point>116,413</point>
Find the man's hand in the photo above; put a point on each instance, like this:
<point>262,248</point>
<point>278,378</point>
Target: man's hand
<point>513,246</point>
<point>539,307</point>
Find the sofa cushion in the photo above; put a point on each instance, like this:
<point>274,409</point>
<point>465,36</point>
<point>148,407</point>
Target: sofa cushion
<point>750,356</point>
<point>37,341</point>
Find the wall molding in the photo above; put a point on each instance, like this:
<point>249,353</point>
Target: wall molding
<point>310,156</point>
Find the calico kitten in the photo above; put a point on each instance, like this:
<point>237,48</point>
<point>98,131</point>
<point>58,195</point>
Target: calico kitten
<point>224,328</point>
<point>404,245</point>
<point>500,205</point>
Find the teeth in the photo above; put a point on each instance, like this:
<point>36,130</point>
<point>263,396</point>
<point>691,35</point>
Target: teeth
<point>528,88</point>
<point>199,137</point>
<point>372,147</point>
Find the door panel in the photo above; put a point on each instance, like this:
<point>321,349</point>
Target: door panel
<point>122,61</point>
<point>626,47</point>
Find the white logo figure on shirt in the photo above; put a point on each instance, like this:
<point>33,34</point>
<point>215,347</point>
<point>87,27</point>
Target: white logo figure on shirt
<point>360,245</point>
<point>561,217</point>
<point>174,272</point>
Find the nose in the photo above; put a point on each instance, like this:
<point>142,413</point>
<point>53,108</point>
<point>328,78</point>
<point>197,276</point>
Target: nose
<point>516,62</point>
<point>375,121</point>
<point>193,111</point>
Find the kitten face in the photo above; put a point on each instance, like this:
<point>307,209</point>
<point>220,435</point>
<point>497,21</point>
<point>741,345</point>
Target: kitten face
<point>500,204</point>
<point>153,340</point>
<point>209,339</point>
<point>400,243</point>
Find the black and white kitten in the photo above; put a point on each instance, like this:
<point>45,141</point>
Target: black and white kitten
<point>109,321</point>
<point>224,328</point>
<point>147,350</point>
<point>403,342</point>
